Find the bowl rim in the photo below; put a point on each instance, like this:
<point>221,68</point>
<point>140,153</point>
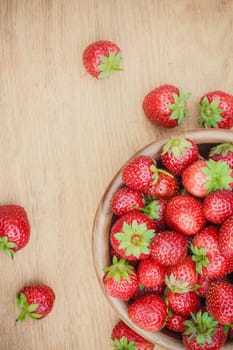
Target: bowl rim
<point>102,222</point>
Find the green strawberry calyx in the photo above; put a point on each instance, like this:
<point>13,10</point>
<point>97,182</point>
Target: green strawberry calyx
<point>7,247</point>
<point>109,64</point>
<point>199,257</point>
<point>179,107</point>
<point>123,344</point>
<point>135,238</point>
<point>201,327</point>
<point>209,113</point>
<point>156,171</point>
<point>151,209</point>
<point>176,146</point>
<point>118,270</point>
<point>176,285</point>
<point>27,310</point>
<point>222,149</point>
<point>218,175</point>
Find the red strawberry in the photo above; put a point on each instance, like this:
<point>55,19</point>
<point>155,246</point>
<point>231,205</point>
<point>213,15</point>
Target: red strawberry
<point>203,333</point>
<point>178,153</point>
<point>216,110</point>
<point>138,173</point>
<point>14,229</point>
<point>203,177</point>
<point>210,262</point>
<point>168,248</point>
<point>175,322</point>
<point>183,303</point>
<point>185,271</point>
<point>226,237</point>
<point>218,206</point>
<point>131,236</point>
<point>164,186</point>
<point>148,312</point>
<point>35,301</point>
<point>159,289</point>
<point>166,106</point>
<point>124,338</point>
<point>120,279</point>
<point>156,210</point>
<point>150,273</point>
<point>101,58</point>
<point>223,152</point>
<point>204,284</point>
<point>185,214</point>
<point>125,200</point>
<point>219,302</point>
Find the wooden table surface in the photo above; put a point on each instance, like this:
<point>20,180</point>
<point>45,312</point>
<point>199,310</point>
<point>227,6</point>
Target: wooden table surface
<point>64,135</point>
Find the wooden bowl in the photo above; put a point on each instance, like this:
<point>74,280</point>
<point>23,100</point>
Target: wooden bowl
<point>205,138</point>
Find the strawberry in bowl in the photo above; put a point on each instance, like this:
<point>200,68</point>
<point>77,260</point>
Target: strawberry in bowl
<point>172,267</point>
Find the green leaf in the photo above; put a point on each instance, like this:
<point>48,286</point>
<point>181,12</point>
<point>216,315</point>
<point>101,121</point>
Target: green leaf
<point>209,113</point>
<point>109,64</point>
<point>179,107</point>
<point>35,316</point>
<point>218,175</point>
<point>223,149</point>
<point>176,145</point>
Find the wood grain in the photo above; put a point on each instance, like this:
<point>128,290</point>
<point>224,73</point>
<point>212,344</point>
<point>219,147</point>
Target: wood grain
<point>64,135</point>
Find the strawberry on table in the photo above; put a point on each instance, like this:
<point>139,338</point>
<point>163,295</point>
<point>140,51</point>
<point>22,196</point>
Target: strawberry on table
<point>101,58</point>
<point>185,214</point>
<point>203,333</point>
<point>148,312</point>
<point>223,152</point>
<point>125,200</point>
<point>216,110</point>
<point>203,177</point>
<point>120,279</point>
<point>35,301</point>
<point>168,248</point>
<point>166,106</point>
<point>218,206</point>
<point>219,302</point>
<point>178,153</point>
<point>131,236</point>
<point>14,228</point>
<point>124,338</point>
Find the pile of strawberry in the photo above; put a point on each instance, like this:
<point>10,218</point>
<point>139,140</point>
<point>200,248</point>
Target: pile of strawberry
<point>172,243</point>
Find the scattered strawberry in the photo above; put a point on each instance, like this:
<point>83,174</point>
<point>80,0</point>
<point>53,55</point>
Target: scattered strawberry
<point>168,248</point>
<point>138,173</point>
<point>120,279</point>
<point>223,152</point>
<point>166,106</point>
<point>101,58</point>
<point>148,312</point>
<point>175,322</point>
<point>218,206</point>
<point>203,177</point>
<point>150,273</point>
<point>125,200</point>
<point>203,333</point>
<point>14,229</point>
<point>219,302</point>
<point>164,185</point>
<point>178,153</point>
<point>216,110</point>
<point>185,214</point>
<point>35,301</point>
<point>131,236</point>
<point>124,338</point>
<point>226,237</point>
